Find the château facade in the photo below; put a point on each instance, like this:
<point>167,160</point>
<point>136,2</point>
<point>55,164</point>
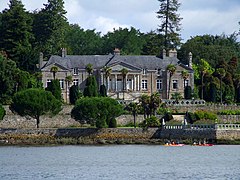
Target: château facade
<point>144,74</point>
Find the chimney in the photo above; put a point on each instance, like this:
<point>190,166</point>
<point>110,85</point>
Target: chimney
<point>164,53</point>
<point>64,52</point>
<point>40,60</point>
<point>173,53</point>
<point>116,51</point>
<point>190,60</point>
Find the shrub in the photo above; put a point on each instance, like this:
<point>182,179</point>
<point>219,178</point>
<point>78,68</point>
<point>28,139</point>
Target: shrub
<point>74,94</point>
<point>203,115</point>
<point>192,117</point>
<point>2,112</point>
<point>103,91</point>
<point>168,116</point>
<point>153,121</point>
<point>188,92</point>
<point>112,123</point>
<point>97,111</point>
<point>54,88</point>
<point>91,89</point>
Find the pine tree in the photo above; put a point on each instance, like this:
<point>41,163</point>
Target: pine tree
<point>49,26</point>
<point>16,34</point>
<point>170,23</point>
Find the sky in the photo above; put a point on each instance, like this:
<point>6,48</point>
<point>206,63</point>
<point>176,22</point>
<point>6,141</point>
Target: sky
<point>200,17</point>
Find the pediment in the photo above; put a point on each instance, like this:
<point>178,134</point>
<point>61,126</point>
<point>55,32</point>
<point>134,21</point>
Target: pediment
<point>118,66</point>
<point>48,68</point>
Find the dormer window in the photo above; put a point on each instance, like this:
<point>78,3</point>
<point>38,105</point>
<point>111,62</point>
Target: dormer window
<point>144,71</point>
<point>75,71</point>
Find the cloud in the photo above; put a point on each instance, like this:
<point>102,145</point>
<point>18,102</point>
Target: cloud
<point>199,22</point>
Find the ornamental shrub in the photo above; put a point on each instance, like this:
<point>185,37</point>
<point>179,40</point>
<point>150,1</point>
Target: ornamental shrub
<point>74,94</point>
<point>188,92</point>
<point>55,89</point>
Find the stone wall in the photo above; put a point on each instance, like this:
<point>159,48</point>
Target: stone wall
<point>129,133</point>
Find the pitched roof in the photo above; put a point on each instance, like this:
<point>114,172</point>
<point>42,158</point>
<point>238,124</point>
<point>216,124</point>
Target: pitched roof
<point>98,61</point>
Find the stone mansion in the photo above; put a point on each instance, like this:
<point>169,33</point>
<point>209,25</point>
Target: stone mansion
<point>145,74</point>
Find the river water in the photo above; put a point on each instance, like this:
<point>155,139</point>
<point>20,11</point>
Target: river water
<point>120,162</point>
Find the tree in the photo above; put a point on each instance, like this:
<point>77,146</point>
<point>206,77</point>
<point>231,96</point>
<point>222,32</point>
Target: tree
<point>170,23</point>
<point>107,72</point>
<point>171,70</point>
<point>211,48</point>
<point>203,67</point>
<point>49,27</point>
<point>145,101</point>
<point>124,72</point>
<point>54,88</point>
<point>35,103</point>
<point>89,69</point>
<point>130,41</point>
<point>74,94</point>
<point>16,35</point>
<point>134,108</point>
<point>83,42</point>
<point>221,72</point>
<point>103,91</point>
<point>155,102</point>
<point>97,111</point>
<point>54,70</point>
<point>188,92</point>
<point>91,88</point>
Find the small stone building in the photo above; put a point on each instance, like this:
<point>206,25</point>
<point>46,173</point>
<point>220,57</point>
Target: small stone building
<point>145,74</point>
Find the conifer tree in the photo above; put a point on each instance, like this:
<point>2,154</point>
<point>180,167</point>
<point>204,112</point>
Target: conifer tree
<point>170,23</point>
<point>16,34</point>
<point>49,26</point>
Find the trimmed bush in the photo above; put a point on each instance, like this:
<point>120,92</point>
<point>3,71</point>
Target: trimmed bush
<point>55,89</point>
<point>74,94</point>
<point>188,92</point>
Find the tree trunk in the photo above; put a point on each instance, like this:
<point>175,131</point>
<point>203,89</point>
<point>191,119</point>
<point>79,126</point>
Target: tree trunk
<point>38,121</point>
<point>202,87</point>
<point>134,120</point>
<point>169,85</point>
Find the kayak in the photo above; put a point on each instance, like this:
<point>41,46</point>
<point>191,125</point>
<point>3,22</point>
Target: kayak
<point>173,144</point>
<point>202,144</point>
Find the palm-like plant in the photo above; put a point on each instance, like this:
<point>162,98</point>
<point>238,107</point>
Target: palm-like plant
<point>171,70</point>
<point>89,69</point>
<point>54,70</point>
<point>221,72</point>
<point>155,102</point>
<point>134,108</point>
<point>203,69</point>
<point>145,101</point>
<point>107,72</point>
<point>124,72</point>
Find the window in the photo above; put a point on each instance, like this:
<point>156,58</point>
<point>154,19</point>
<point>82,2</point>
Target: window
<point>175,84</point>
<point>75,82</point>
<point>144,84</point>
<point>61,81</point>
<point>159,84</point>
<point>75,71</point>
<point>144,71</point>
<point>186,83</point>
<point>159,71</point>
<point>48,82</point>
